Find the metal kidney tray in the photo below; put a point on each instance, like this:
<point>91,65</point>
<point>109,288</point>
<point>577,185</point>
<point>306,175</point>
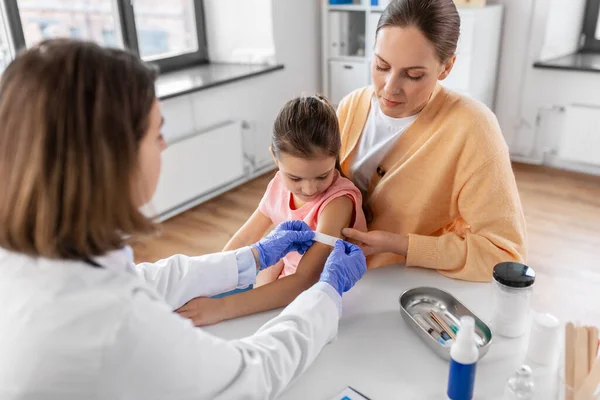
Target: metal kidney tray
<point>421,300</point>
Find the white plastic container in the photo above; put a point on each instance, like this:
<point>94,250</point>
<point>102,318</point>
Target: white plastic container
<point>544,340</point>
<point>513,287</point>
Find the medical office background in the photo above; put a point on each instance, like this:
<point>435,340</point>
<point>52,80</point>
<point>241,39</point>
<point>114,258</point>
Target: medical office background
<point>227,66</point>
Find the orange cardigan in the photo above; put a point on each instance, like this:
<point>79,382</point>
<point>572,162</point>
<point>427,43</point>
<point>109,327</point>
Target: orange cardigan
<point>448,184</point>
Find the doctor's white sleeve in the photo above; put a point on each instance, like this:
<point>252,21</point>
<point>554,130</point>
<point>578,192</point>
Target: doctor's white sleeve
<point>180,278</point>
<point>159,355</point>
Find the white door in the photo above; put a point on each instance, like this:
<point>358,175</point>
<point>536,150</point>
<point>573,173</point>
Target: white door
<point>345,77</point>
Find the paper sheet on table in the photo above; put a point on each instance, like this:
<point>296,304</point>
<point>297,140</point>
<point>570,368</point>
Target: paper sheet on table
<point>349,394</point>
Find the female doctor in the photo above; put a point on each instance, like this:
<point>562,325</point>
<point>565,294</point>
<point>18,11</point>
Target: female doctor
<point>80,148</point>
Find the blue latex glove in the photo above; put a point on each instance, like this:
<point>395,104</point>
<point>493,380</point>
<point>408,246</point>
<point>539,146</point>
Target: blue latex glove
<point>344,267</point>
<point>287,237</point>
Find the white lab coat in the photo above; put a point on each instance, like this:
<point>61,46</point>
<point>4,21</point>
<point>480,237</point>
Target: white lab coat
<point>72,331</point>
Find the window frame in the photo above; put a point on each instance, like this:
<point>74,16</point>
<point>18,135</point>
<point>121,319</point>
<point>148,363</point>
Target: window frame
<point>128,30</point>
<point>590,21</point>
<point>8,33</point>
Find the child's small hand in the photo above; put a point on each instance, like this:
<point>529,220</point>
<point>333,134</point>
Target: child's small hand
<point>376,242</point>
<point>203,311</point>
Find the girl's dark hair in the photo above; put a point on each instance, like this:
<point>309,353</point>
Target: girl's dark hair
<point>306,127</point>
<point>73,116</point>
<point>438,20</point>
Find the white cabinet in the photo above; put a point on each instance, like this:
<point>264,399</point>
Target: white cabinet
<point>346,68</point>
<point>339,33</point>
<point>372,22</point>
<point>345,34</point>
<point>460,77</point>
<point>476,68</point>
<point>345,77</point>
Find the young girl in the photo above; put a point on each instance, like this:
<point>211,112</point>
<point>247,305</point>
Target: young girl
<point>305,146</point>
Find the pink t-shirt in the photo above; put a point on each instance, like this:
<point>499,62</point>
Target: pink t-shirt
<point>276,204</point>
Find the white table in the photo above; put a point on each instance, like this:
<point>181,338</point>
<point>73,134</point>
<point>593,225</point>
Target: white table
<point>377,353</point>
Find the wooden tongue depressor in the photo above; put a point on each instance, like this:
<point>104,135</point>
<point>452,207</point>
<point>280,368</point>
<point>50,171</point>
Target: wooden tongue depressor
<point>590,383</point>
<point>442,324</point>
<point>593,345</point>
<point>582,358</point>
<point>569,359</point>
<point>325,239</point>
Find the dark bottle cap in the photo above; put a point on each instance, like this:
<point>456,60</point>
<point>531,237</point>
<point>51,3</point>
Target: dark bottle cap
<point>514,274</point>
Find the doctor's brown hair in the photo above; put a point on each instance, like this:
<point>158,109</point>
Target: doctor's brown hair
<point>73,115</point>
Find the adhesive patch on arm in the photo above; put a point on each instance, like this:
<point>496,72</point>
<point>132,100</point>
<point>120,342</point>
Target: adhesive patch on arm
<point>325,239</point>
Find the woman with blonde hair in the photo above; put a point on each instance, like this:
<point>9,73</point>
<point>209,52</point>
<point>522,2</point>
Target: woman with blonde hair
<point>80,147</point>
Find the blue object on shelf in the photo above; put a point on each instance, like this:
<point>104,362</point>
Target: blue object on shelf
<point>374,2</point>
<point>339,2</point>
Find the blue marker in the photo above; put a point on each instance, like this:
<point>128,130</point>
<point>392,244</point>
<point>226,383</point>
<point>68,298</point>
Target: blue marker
<point>463,361</point>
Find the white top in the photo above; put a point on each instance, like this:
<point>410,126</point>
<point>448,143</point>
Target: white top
<point>72,331</point>
<point>379,135</point>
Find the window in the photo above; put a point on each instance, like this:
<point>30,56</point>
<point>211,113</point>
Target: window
<point>5,47</point>
<point>591,27</point>
<point>83,19</point>
<point>166,29</point>
<point>168,33</point>
<point>598,27</point>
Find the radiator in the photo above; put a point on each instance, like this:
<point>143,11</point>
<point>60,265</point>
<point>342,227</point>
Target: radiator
<point>196,166</point>
<point>580,140</point>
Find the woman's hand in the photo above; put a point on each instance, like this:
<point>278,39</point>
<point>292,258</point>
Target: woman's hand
<point>376,242</point>
<point>203,311</point>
